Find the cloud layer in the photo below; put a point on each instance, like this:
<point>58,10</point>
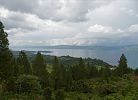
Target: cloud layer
<point>70,22</point>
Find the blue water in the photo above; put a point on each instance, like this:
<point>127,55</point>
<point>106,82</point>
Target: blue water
<point>110,56</point>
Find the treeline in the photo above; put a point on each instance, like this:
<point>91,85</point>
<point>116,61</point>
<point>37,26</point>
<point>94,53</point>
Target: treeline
<point>18,75</point>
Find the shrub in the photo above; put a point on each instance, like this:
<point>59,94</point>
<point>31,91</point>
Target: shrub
<point>48,93</point>
<point>60,95</point>
<point>27,83</point>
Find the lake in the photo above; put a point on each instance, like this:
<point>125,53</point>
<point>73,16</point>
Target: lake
<point>110,56</point>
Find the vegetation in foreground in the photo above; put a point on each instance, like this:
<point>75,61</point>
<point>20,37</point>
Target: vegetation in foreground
<point>21,79</point>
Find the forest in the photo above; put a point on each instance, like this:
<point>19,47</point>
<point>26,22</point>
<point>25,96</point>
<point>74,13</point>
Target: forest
<point>25,78</point>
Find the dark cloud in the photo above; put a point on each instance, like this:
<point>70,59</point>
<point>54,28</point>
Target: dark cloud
<point>19,5</point>
<point>57,10</point>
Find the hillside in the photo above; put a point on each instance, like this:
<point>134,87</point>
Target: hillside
<point>65,60</point>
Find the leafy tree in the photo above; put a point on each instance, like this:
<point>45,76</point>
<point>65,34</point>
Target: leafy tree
<point>48,93</point>
<point>24,63</point>
<point>5,55</point>
<point>39,69</point>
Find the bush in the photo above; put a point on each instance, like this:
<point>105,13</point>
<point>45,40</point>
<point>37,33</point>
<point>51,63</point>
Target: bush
<point>136,71</point>
<point>106,89</point>
<point>81,86</point>
<point>60,95</point>
<point>48,93</point>
<point>28,83</point>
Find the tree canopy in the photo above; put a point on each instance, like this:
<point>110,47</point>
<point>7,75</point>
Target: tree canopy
<point>5,55</point>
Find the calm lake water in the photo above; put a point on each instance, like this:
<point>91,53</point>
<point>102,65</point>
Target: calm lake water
<point>111,56</point>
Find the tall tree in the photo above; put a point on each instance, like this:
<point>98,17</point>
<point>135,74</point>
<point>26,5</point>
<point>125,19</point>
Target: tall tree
<point>122,67</point>
<point>39,69</point>
<point>15,67</point>
<point>82,69</point>
<point>75,71</point>
<point>68,79</point>
<point>5,55</point>
<point>24,62</point>
<point>93,71</point>
<point>105,73</point>
<point>58,74</point>
<point>79,71</point>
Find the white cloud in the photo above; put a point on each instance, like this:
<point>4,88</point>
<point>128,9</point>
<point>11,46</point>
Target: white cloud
<point>133,28</point>
<point>4,13</point>
<point>130,11</point>
<point>120,31</point>
<point>100,29</point>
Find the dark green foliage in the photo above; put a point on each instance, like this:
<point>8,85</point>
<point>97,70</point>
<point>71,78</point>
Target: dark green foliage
<point>68,80</point>
<point>79,71</point>
<point>4,43</point>
<point>75,72</point>
<point>48,93</point>
<point>15,67</point>
<point>39,69</point>
<point>58,73</point>
<point>122,67</point>
<point>82,69</point>
<point>60,95</point>
<point>10,85</point>
<point>93,71</point>
<point>106,89</point>
<point>5,55</point>
<point>28,84</point>
<point>105,72</point>
<point>80,86</point>
<point>136,71</point>
<point>24,63</point>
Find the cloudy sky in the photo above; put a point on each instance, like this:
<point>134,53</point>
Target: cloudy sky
<point>70,22</point>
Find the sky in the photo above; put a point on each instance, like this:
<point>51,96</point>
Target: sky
<point>70,22</point>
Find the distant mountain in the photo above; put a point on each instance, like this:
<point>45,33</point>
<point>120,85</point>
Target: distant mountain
<point>76,47</point>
